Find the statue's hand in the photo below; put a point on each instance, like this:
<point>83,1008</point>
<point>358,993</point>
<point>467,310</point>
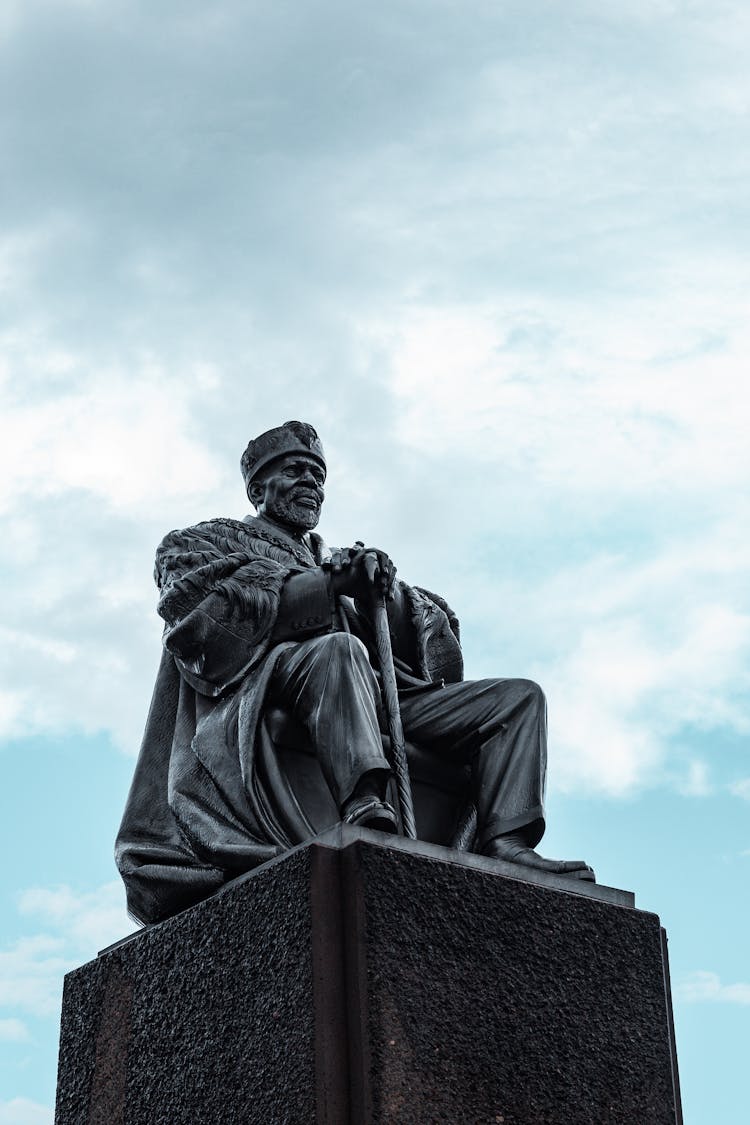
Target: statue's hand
<point>340,567</point>
<point>358,570</point>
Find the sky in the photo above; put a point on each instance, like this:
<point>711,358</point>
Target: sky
<point>496,252</point>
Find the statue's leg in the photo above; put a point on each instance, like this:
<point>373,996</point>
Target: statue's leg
<point>329,686</point>
<point>500,728</point>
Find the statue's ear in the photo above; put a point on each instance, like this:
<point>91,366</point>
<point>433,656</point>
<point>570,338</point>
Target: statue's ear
<point>256,492</point>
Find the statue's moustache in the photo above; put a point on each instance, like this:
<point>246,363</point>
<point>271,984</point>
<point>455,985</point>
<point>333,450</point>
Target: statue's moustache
<point>305,494</point>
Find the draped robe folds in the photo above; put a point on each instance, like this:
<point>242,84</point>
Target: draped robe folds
<point>208,799</point>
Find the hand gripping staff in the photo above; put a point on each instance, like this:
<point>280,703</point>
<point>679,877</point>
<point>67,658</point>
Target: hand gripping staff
<point>390,702</point>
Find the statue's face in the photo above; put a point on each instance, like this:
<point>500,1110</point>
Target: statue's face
<point>292,492</point>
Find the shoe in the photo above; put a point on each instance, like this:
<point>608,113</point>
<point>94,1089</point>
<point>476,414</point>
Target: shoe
<point>512,849</point>
<point>370,812</point>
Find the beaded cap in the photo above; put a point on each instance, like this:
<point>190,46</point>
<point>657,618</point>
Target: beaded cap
<point>292,437</point>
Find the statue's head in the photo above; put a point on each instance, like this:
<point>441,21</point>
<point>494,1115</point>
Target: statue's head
<point>284,471</point>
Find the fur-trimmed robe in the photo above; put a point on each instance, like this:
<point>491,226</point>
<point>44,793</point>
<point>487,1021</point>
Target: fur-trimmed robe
<point>208,800</point>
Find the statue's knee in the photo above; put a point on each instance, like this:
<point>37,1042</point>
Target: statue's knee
<point>346,646</point>
<point>533,692</point>
<point>524,691</point>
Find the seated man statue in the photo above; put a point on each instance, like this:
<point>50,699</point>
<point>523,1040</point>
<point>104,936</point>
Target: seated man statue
<point>259,614</point>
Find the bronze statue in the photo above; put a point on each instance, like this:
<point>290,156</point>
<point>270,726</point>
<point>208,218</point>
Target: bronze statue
<point>267,723</point>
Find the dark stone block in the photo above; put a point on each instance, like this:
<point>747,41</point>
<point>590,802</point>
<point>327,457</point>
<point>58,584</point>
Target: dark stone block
<point>204,1018</point>
<point>487,999</point>
<point>366,979</point>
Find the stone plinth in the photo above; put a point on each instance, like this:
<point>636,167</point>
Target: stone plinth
<point>365,979</point>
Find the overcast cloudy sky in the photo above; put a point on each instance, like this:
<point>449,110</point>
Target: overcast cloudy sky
<point>496,251</point>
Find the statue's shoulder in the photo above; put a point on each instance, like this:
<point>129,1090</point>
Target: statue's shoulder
<point>441,603</point>
<point>186,548</point>
<point>437,635</point>
<point>215,531</point>
<point>222,533</point>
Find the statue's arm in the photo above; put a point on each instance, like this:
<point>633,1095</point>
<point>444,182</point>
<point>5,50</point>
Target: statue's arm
<point>214,644</point>
<point>218,639</point>
<point>306,606</point>
<point>219,604</point>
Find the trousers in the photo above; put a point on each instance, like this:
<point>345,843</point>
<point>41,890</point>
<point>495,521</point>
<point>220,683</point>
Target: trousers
<point>496,726</point>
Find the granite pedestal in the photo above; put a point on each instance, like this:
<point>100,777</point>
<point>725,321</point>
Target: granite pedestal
<point>362,978</point>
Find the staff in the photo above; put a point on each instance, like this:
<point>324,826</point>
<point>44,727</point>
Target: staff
<point>390,699</point>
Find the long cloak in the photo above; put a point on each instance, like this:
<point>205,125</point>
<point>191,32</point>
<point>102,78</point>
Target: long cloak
<point>209,800</point>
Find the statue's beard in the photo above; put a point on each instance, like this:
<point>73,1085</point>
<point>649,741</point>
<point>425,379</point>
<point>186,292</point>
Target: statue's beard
<point>291,512</point>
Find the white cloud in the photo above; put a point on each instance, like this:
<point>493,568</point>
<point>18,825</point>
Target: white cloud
<point>80,647</point>
<point>21,253</point>
<point>31,973</point>
<point>697,783</point>
<point>124,438</point>
<point>22,1111</point>
<point>638,655</point>
<point>88,920</point>
<point>13,1031</point>
<point>501,262</point>
<point>528,312</point>
<point>84,474</point>
<point>741,788</point>
<point>701,986</point>
<point>76,925</point>
<point>11,709</point>
<point>609,404</point>
<point>626,689</point>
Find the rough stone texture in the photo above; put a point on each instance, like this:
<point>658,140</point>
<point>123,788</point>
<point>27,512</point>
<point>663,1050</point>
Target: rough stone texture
<point>205,1018</point>
<point>358,981</point>
<point>490,1000</point>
